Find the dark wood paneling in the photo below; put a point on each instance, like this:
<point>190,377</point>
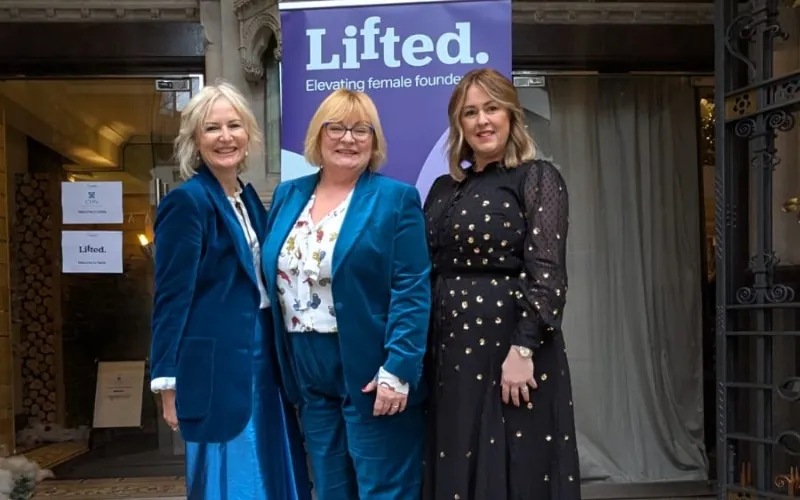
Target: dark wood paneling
<point>614,48</point>
<point>58,49</point>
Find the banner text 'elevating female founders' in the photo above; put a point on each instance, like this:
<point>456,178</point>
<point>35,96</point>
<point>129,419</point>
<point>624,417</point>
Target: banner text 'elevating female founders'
<point>372,83</point>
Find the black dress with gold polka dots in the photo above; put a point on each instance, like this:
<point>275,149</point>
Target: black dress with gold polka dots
<point>498,245</point>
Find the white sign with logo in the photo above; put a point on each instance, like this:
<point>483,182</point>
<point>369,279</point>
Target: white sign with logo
<point>91,252</point>
<point>118,395</point>
<point>91,202</point>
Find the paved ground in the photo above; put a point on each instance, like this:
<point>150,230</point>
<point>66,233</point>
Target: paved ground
<point>172,488</point>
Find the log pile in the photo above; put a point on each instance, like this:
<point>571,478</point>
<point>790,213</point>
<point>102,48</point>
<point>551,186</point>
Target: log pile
<point>34,261</point>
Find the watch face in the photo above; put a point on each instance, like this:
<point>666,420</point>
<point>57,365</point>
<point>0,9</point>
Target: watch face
<point>525,352</point>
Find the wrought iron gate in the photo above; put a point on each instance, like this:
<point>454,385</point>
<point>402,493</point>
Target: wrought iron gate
<point>758,313</point>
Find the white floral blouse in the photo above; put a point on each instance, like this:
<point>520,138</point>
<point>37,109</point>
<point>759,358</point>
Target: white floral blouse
<point>305,267</point>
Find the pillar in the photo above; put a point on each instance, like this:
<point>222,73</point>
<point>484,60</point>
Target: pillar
<point>238,33</point>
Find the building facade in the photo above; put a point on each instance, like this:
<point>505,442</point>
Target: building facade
<point>240,41</point>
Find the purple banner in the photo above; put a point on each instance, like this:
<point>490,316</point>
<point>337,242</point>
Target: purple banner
<point>407,57</point>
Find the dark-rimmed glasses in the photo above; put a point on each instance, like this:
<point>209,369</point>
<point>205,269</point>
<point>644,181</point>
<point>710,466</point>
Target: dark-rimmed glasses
<point>336,130</point>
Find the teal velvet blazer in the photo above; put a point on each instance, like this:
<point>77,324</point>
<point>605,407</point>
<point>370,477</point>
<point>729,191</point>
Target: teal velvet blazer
<point>380,283</point>
<point>205,306</point>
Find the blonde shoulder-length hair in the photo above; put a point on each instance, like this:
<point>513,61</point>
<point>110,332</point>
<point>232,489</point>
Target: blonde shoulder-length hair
<point>519,147</point>
<point>196,112</point>
<point>342,105</point>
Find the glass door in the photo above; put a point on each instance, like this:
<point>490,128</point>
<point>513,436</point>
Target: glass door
<point>175,94</point>
<point>74,316</point>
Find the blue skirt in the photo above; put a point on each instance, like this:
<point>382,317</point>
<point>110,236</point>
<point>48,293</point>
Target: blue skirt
<point>267,460</point>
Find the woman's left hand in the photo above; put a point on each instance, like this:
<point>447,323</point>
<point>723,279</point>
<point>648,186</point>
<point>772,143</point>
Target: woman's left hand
<point>387,400</point>
<point>517,378</point>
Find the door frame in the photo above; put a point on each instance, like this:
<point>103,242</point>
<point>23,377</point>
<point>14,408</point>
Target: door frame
<point>8,356</point>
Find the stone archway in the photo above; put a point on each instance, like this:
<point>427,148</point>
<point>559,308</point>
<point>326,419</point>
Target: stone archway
<point>259,50</point>
<point>259,23</point>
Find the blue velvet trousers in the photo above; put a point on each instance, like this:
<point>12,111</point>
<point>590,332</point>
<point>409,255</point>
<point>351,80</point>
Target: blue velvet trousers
<point>353,456</point>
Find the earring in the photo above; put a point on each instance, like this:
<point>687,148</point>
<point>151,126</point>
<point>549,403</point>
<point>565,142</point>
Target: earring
<point>246,154</point>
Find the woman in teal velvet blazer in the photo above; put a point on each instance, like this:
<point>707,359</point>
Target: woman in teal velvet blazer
<point>347,268</point>
<point>212,349</point>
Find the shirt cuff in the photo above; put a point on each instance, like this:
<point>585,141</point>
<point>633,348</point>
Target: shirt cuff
<point>395,383</point>
<point>162,384</point>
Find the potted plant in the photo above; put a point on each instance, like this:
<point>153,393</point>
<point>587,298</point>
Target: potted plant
<point>19,477</point>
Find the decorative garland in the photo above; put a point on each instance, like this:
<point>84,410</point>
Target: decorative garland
<point>707,130</point>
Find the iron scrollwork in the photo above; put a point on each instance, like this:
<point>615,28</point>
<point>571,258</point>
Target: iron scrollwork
<point>790,441</point>
<point>757,107</point>
<point>780,120</point>
<point>746,128</point>
<point>776,294</point>
<point>788,91</point>
<point>747,25</point>
<point>789,390</point>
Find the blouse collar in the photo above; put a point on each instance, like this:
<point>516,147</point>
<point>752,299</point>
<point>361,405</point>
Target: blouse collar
<point>490,167</point>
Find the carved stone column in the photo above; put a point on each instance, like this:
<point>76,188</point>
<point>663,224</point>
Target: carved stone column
<point>211,20</point>
<point>259,23</point>
<point>238,33</point>
<point>258,27</point>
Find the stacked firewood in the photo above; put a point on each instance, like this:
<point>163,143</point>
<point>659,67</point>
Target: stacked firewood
<point>34,259</point>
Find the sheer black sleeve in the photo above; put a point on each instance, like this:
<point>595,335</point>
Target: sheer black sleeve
<point>543,282</point>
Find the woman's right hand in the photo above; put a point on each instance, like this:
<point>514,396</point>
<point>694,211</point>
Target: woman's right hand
<point>168,404</point>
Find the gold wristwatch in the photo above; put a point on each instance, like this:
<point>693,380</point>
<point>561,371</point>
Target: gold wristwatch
<point>524,351</point>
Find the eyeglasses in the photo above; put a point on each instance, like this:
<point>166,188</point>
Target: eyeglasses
<point>360,132</point>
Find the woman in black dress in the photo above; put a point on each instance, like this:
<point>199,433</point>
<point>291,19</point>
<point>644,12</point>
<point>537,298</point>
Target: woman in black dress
<point>501,414</point>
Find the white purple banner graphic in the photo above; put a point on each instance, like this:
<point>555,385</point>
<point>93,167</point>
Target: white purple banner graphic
<point>407,56</point>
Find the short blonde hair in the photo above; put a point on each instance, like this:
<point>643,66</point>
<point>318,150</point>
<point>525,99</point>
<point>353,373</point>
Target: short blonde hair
<point>196,112</point>
<point>340,105</point>
<point>519,147</point>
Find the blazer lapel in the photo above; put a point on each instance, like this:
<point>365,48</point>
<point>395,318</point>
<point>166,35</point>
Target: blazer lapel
<point>362,205</point>
<point>231,222</point>
<point>292,206</point>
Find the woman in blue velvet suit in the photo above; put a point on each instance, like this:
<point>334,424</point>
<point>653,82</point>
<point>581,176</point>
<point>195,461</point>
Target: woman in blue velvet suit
<point>212,346</point>
<point>347,261</point>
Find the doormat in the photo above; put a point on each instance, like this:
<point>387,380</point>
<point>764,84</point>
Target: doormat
<point>53,454</point>
<point>109,489</point>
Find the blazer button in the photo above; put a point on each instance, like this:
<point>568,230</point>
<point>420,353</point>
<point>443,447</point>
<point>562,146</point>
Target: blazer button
<point>338,306</point>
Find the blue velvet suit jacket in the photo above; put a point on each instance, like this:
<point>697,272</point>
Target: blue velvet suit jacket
<point>205,306</point>
<point>380,283</point>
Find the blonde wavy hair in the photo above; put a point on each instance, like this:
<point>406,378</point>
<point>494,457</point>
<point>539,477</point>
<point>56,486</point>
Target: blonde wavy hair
<point>341,105</point>
<point>196,112</point>
<point>519,148</point>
